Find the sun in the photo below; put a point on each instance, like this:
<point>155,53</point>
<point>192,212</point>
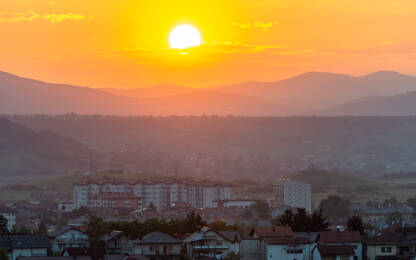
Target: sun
<point>184,36</point>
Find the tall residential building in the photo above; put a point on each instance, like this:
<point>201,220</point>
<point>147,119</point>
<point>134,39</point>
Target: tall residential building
<point>162,194</point>
<point>295,194</point>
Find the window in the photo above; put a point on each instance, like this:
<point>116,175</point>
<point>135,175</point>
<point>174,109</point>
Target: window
<point>386,249</point>
<point>294,251</point>
<point>344,257</point>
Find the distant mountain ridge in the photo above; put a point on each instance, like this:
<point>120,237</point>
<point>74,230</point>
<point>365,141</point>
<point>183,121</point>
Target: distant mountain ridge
<point>25,152</point>
<point>321,92</point>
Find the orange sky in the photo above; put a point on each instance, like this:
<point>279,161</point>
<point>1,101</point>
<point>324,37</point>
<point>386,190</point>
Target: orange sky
<point>124,43</point>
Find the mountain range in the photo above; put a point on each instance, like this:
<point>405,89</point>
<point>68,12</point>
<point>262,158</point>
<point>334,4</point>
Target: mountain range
<point>312,93</point>
<point>24,152</point>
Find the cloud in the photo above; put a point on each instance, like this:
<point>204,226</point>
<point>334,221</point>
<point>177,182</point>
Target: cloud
<point>239,47</point>
<point>28,16</point>
<point>258,24</point>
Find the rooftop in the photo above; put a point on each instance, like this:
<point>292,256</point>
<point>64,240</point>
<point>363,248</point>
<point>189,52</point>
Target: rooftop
<point>340,237</point>
<point>273,231</point>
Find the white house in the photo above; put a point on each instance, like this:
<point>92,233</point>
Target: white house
<point>158,245</point>
<point>25,245</point>
<point>290,248</point>
<point>333,252</point>
<point>209,243</point>
<point>342,238</point>
<point>389,245</point>
<point>116,243</point>
<point>68,236</point>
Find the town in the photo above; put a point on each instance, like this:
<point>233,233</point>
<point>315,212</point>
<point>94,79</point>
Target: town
<point>170,218</point>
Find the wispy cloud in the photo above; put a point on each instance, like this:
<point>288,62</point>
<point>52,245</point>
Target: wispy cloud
<point>28,16</point>
<point>264,26</point>
<point>215,47</point>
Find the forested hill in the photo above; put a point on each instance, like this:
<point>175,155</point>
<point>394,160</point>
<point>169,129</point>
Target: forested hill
<point>234,147</point>
<point>24,152</point>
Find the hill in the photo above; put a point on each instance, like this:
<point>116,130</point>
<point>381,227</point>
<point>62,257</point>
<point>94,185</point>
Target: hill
<point>313,91</point>
<point>157,91</point>
<point>24,152</point>
<point>27,96</point>
<point>240,147</point>
<point>397,105</point>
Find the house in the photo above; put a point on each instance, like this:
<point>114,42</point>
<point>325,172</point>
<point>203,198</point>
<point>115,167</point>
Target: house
<point>390,245</point>
<point>117,243</point>
<point>95,253</point>
<point>333,252</point>
<point>290,248</point>
<point>25,245</point>
<point>343,238</point>
<point>210,243</point>
<point>279,242</point>
<point>10,215</point>
<point>158,245</point>
<point>68,236</point>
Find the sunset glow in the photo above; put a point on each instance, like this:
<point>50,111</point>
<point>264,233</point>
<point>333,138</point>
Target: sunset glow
<point>125,44</point>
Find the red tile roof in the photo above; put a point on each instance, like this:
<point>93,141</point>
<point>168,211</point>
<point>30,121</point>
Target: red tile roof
<point>340,237</point>
<point>389,238</point>
<point>287,240</point>
<point>275,231</point>
<point>325,250</point>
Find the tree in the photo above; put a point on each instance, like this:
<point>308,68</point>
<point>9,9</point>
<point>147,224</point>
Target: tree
<point>303,222</point>
<point>42,229</point>
<point>152,207</point>
<point>3,254</point>
<point>319,222</point>
<point>218,225</point>
<point>390,202</point>
<point>286,219</point>
<point>335,207</point>
<point>394,217</point>
<point>193,222</point>
<point>21,230</point>
<point>96,229</point>
<point>261,207</point>
<point>4,230</point>
<point>355,223</point>
<point>412,203</point>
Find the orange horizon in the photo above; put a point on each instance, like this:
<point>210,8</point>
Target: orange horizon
<point>124,44</point>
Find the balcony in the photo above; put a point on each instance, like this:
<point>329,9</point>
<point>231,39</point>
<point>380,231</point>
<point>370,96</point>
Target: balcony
<point>210,247</point>
<point>71,240</point>
<point>167,253</point>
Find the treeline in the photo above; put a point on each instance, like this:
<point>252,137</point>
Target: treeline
<point>97,228</point>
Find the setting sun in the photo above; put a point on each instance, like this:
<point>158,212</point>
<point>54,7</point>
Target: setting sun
<point>184,36</point>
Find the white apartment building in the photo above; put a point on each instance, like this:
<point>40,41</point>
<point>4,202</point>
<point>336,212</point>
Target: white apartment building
<point>295,194</point>
<point>159,193</point>
<point>9,215</point>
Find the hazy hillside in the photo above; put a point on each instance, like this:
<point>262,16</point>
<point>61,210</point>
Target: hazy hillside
<point>28,153</point>
<point>242,146</point>
<point>397,105</point>
<point>320,90</point>
<point>157,91</point>
<point>314,91</point>
<point>26,96</point>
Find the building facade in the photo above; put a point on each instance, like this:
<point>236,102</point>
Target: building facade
<point>162,194</point>
<point>67,237</point>
<point>9,215</point>
<point>292,193</point>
